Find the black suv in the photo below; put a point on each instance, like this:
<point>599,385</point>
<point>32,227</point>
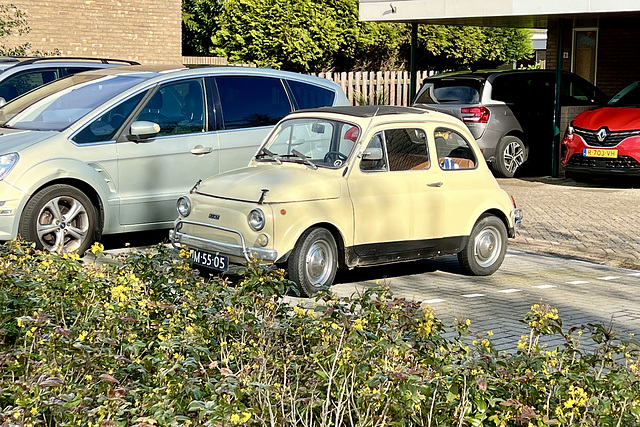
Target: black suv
<point>510,113</point>
<point>20,75</point>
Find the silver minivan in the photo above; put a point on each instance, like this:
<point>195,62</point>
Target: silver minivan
<point>110,151</point>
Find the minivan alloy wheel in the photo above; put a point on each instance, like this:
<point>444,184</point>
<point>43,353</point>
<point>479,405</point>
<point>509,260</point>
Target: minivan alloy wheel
<point>59,219</point>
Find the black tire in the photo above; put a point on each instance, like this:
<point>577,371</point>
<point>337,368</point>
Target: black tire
<point>510,155</point>
<point>484,252</point>
<point>46,220</point>
<point>313,262</point>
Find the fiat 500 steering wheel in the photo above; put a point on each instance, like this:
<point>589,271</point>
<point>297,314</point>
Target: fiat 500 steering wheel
<point>334,158</point>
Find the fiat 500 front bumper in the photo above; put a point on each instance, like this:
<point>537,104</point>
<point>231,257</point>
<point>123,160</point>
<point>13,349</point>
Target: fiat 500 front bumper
<point>179,238</point>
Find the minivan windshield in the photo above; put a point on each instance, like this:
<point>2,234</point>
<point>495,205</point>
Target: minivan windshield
<point>322,142</point>
<point>450,91</point>
<point>61,103</point>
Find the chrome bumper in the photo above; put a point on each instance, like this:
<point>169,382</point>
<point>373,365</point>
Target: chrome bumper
<point>177,239</point>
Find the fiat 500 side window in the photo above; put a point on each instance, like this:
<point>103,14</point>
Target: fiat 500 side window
<point>407,149</point>
<point>402,149</point>
<point>453,150</point>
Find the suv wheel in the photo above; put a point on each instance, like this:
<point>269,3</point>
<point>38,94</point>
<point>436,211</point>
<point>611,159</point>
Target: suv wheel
<point>510,155</point>
<point>60,219</point>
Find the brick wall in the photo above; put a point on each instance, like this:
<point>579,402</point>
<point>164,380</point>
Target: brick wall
<point>618,57</point>
<point>147,31</point>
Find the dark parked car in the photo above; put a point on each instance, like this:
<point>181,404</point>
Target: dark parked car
<point>20,75</point>
<point>509,113</point>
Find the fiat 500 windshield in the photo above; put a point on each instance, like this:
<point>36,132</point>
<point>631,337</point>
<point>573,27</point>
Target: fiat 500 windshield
<point>325,143</point>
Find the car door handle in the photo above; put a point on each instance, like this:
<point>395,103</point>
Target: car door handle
<point>199,149</point>
<point>435,184</point>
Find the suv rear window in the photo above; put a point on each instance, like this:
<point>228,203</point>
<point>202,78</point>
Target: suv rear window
<point>450,91</point>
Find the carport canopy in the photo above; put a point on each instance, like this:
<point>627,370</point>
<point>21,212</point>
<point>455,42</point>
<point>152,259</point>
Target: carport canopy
<point>498,13</point>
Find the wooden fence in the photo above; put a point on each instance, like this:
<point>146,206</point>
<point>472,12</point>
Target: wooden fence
<point>361,87</point>
<point>377,87</point>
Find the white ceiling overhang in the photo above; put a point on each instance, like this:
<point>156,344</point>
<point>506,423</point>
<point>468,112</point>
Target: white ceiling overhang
<point>507,13</point>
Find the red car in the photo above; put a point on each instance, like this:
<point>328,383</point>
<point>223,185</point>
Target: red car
<point>605,141</point>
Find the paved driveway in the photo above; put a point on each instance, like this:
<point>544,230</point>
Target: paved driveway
<point>583,292</point>
<point>597,222</point>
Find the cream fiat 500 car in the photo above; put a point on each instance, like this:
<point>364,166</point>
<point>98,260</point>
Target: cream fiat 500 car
<point>342,187</point>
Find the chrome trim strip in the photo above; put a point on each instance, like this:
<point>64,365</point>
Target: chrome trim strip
<point>177,238</point>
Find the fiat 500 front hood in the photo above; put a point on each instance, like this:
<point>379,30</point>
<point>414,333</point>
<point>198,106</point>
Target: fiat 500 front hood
<point>288,182</point>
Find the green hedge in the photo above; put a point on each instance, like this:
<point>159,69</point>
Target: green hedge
<point>145,342</point>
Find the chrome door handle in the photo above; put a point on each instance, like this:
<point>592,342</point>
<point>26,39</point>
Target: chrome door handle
<point>435,184</point>
<point>199,149</point>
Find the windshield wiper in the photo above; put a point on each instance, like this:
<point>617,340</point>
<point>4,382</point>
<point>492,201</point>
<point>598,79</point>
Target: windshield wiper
<point>264,153</point>
<point>304,158</point>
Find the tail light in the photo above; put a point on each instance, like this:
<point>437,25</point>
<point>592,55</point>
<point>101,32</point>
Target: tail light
<point>475,114</point>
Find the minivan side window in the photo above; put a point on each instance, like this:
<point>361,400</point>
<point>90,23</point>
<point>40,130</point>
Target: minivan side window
<point>310,96</point>
<point>105,127</point>
<point>251,101</point>
<point>178,107</point>
<point>453,150</point>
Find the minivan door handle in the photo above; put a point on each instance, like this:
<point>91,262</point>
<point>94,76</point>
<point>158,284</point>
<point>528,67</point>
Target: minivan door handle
<point>435,184</point>
<point>199,149</point>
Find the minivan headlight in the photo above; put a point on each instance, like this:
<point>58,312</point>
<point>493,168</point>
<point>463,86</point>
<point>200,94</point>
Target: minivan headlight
<point>184,206</point>
<point>256,220</point>
<point>6,163</point>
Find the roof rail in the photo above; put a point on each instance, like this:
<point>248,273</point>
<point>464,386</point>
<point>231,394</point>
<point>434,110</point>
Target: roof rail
<point>65,58</point>
<point>7,59</point>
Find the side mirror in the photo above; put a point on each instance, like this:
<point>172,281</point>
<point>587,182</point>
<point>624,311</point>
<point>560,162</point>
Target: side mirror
<point>372,154</point>
<point>2,101</point>
<point>143,130</point>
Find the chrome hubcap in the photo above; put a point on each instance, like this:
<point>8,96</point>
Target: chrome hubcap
<point>62,225</point>
<point>319,262</point>
<point>487,246</point>
<point>513,156</point>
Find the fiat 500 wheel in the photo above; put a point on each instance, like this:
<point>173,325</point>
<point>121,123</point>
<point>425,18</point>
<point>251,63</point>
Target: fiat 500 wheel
<point>510,155</point>
<point>313,262</point>
<point>59,219</point>
<point>484,252</point>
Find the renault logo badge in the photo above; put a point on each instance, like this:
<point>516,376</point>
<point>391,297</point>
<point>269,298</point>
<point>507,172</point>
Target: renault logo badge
<point>602,134</point>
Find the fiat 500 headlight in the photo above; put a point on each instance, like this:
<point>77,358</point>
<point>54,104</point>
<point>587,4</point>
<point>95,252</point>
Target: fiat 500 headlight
<point>184,206</point>
<point>6,163</point>
<point>256,219</point>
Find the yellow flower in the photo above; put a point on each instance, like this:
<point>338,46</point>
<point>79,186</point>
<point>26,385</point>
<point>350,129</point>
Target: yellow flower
<point>97,248</point>
<point>234,418</point>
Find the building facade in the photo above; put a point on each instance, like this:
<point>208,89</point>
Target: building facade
<point>600,37</point>
<point>147,31</point>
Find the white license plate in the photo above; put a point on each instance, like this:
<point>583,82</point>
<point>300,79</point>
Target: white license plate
<point>209,260</point>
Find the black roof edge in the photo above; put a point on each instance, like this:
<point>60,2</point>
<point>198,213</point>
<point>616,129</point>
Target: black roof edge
<point>66,58</point>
